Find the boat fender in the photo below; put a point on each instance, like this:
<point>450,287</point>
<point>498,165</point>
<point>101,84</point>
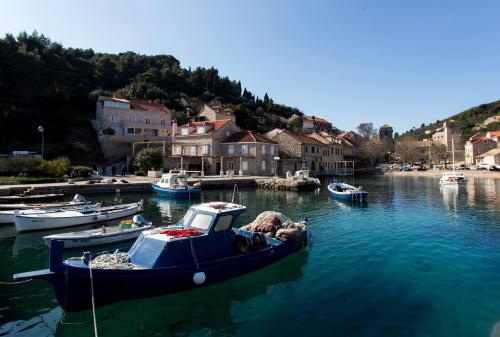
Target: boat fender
<point>78,198</point>
<point>138,219</point>
<point>243,243</point>
<point>199,278</point>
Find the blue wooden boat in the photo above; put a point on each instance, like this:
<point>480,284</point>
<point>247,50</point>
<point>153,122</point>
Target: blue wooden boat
<point>347,192</point>
<point>205,248</point>
<point>174,184</point>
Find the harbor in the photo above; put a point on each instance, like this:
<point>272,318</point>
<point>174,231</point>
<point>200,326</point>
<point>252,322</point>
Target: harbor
<point>443,253</point>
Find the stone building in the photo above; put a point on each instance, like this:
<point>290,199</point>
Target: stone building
<point>491,157</point>
<point>213,113</point>
<point>385,133</point>
<point>248,153</point>
<point>476,146</point>
<point>196,146</point>
<point>297,150</point>
<point>450,131</point>
<point>120,122</point>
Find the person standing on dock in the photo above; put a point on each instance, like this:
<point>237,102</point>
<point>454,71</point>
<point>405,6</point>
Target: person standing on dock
<point>124,170</point>
<point>113,170</point>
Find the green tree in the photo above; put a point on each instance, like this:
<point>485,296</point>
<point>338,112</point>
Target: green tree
<point>147,159</point>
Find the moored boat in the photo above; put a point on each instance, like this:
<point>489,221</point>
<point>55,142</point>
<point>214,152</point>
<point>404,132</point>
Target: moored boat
<point>67,218</point>
<point>453,178</point>
<point>204,249</point>
<point>126,230</point>
<point>347,192</point>
<point>174,184</point>
<point>79,202</point>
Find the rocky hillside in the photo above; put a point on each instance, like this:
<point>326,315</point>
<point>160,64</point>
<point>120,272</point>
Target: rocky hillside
<point>44,83</point>
<point>472,121</point>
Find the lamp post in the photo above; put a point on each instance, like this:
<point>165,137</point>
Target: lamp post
<point>42,130</point>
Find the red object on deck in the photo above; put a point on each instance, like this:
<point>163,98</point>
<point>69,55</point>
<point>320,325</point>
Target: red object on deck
<point>182,232</point>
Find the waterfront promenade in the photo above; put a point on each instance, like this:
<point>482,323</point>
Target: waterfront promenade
<point>133,184</point>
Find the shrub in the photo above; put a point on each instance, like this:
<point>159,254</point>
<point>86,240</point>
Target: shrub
<point>81,171</point>
<point>53,168</point>
<point>146,159</point>
<point>19,165</point>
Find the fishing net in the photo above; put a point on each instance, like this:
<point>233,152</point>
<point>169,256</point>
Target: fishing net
<point>276,225</point>
<point>116,260</point>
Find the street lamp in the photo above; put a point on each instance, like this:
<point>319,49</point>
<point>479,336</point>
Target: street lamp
<point>41,130</point>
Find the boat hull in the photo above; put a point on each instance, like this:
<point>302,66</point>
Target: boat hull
<point>72,283</point>
<point>74,241</point>
<point>26,223</point>
<point>177,193</point>
<point>349,195</point>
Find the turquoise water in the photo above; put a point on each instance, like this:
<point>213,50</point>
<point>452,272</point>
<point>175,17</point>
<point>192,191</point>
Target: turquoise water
<point>413,261</point>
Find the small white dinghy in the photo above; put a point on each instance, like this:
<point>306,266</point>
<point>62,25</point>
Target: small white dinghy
<point>79,202</point>
<point>127,230</point>
<point>68,218</point>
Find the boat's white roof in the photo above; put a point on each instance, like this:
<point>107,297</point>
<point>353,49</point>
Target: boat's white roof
<point>219,207</point>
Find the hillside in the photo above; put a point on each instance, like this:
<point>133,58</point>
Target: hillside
<point>44,83</point>
<point>471,120</point>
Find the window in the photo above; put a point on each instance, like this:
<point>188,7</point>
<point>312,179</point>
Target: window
<point>230,165</point>
<point>151,132</point>
<point>271,148</point>
<point>306,148</point>
<point>201,221</point>
<point>223,223</point>
<point>185,131</point>
<point>134,131</point>
<point>185,220</point>
<point>263,163</point>
<point>200,129</point>
<point>148,121</point>
<point>312,149</point>
<point>244,165</point>
<point>131,119</point>
<point>263,149</point>
<point>205,149</point>
<point>230,149</point>
<point>163,122</point>
<point>193,150</point>
<point>244,149</point>
<point>178,150</point>
<point>114,118</point>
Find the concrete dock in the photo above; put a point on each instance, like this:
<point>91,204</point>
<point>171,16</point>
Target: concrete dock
<point>134,184</point>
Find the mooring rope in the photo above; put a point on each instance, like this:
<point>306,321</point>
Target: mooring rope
<point>93,298</point>
<point>15,282</point>
<point>193,254</point>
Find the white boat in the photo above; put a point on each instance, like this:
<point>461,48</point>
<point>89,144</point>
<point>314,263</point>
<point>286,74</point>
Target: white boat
<point>68,218</point>
<point>78,200</point>
<point>79,203</point>
<point>127,230</point>
<point>303,174</point>
<point>453,178</point>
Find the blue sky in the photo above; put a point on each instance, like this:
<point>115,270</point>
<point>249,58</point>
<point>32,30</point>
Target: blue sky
<point>380,61</point>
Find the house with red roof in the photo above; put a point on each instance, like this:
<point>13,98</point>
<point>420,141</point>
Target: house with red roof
<point>196,146</point>
<point>477,145</point>
<point>121,122</point>
<point>314,151</point>
<point>249,153</point>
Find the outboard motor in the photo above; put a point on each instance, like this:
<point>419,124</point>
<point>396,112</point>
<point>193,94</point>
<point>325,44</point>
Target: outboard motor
<point>138,220</point>
<point>79,198</point>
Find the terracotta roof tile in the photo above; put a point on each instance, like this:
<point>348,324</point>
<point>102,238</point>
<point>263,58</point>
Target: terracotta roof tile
<point>247,137</point>
<point>495,133</point>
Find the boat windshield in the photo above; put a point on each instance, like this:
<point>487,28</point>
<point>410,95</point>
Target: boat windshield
<point>185,220</point>
<point>201,221</point>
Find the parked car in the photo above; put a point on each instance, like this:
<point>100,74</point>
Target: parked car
<point>485,166</point>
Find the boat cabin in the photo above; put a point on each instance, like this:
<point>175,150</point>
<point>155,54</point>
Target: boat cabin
<point>173,179</point>
<point>303,173</point>
<point>205,233</point>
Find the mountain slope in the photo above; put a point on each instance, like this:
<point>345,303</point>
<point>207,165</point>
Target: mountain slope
<point>471,120</point>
